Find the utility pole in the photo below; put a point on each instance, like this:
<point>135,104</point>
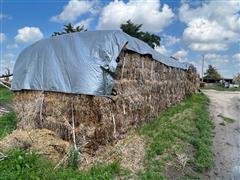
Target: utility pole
<point>202,65</point>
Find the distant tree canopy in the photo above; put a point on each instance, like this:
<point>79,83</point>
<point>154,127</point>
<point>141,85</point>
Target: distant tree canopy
<point>212,73</point>
<point>69,28</point>
<point>129,27</point>
<point>236,78</point>
<point>134,30</point>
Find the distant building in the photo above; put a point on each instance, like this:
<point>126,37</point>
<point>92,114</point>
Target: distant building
<point>210,80</point>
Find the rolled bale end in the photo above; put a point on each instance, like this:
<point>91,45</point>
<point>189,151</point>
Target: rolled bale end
<point>144,88</point>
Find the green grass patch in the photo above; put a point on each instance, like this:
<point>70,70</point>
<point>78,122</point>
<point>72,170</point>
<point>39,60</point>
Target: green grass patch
<point>226,119</point>
<point>26,165</point>
<point>6,95</point>
<point>220,88</point>
<point>181,130</point>
<point>7,123</point>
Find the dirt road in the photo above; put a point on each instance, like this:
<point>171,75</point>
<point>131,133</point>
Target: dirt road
<point>225,111</point>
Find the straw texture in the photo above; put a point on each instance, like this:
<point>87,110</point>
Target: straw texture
<point>144,88</point>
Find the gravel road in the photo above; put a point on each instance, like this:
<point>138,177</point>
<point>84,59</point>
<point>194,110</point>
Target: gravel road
<point>226,141</point>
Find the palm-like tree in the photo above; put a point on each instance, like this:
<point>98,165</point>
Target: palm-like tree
<point>69,28</point>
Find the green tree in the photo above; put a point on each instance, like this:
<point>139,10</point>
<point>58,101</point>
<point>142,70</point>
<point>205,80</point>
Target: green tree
<point>236,78</point>
<point>134,30</point>
<point>212,73</point>
<point>69,28</point>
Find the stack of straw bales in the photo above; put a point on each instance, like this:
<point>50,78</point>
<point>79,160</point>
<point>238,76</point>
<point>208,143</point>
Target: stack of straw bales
<point>144,88</point>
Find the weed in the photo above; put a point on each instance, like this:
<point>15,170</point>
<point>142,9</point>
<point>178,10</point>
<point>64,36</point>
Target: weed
<point>7,123</point>
<point>226,119</point>
<point>6,96</point>
<point>73,158</point>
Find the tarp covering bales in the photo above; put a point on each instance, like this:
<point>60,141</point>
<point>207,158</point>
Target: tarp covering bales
<point>78,63</point>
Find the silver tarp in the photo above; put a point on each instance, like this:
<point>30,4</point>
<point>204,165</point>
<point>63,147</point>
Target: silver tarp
<point>81,63</point>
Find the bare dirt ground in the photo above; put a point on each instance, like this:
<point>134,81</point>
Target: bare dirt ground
<point>226,141</point>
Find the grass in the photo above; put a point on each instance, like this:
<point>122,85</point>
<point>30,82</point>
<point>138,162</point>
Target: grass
<point>7,123</point>
<point>226,119</point>
<point>7,120</point>
<point>220,88</point>
<point>6,96</point>
<point>183,129</point>
<point>25,165</point>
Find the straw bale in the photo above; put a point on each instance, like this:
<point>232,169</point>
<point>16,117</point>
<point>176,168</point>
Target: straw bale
<point>129,151</point>
<point>144,88</point>
<point>43,141</point>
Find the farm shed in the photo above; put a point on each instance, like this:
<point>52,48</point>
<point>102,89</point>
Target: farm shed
<point>92,87</point>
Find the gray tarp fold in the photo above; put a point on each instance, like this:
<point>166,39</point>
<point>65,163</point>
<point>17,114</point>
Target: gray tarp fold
<point>80,63</point>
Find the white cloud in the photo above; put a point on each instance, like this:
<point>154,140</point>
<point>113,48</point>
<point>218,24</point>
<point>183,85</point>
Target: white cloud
<point>8,56</point>
<point>216,58</point>
<point>147,12</point>
<point>73,10</point>
<point>7,62</point>
<point>162,49</point>
<point>28,35</point>
<point>205,35</point>
<point>236,56</point>
<point>212,26</point>
<point>211,56</point>
<point>3,37</point>
<point>222,62</point>
<point>7,59</point>
<point>85,23</point>
<point>180,54</point>
<point>208,46</point>
<point>12,46</point>
<point>170,40</point>
<point>4,16</point>
<point>203,30</point>
<point>220,11</point>
<point>234,22</point>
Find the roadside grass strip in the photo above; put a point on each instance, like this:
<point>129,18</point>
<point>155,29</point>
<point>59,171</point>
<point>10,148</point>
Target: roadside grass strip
<point>179,141</point>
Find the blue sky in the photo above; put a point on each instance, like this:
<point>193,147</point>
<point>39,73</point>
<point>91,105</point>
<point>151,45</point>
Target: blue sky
<point>189,29</point>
